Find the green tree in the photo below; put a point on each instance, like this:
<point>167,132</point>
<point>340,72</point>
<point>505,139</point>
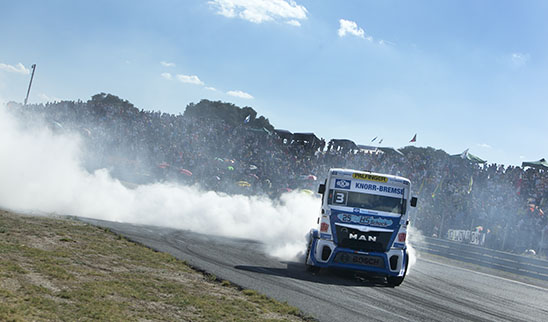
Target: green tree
<point>228,112</point>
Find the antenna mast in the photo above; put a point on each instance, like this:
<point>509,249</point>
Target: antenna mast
<point>30,84</point>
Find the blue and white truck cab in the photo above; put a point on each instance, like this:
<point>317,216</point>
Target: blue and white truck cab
<point>363,224</point>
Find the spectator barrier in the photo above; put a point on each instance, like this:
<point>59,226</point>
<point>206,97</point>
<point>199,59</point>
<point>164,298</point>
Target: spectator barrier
<point>466,236</point>
<point>517,264</point>
<point>543,244</point>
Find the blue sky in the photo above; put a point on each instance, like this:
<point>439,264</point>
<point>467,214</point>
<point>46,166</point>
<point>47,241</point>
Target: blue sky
<point>460,74</point>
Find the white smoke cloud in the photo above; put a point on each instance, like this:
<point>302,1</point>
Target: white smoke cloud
<point>414,237</point>
<point>41,171</point>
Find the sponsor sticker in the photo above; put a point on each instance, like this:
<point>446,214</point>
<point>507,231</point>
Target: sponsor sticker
<point>365,220</point>
<point>358,259</point>
<point>379,188</point>
<point>370,177</point>
<point>342,184</point>
<point>325,236</point>
<point>399,245</point>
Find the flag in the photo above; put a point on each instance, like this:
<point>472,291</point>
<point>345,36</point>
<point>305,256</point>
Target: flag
<point>422,184</point>
<point>470,184</point>
<point>380,141</point>
<point>247,118</point>
<point>437,188</point>
<point>374,139</point>
<point>414,139</point>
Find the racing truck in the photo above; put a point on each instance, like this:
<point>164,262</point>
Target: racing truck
<point>363,224</point>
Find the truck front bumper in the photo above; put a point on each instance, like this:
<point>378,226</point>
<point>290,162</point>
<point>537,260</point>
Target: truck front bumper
<point>325,254</point>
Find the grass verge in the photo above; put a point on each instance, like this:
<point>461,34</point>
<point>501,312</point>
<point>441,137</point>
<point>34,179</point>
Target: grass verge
<point>60,269</point>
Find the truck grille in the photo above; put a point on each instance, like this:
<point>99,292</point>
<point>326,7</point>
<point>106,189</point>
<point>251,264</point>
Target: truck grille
<point>354,239</point>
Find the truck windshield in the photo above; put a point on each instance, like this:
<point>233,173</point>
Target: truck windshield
<point>366,201</point>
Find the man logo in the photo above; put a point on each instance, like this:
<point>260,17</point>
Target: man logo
<point>343,184</point>
<point>367,238</point>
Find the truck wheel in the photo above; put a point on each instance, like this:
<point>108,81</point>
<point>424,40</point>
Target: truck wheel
<point>310,268</point>
<point>397,280</point>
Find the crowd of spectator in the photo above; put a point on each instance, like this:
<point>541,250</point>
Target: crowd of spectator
<point>244,156</point>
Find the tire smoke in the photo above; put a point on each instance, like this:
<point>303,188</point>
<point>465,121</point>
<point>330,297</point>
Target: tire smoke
<point>415,237</point>
<point>41,171</point>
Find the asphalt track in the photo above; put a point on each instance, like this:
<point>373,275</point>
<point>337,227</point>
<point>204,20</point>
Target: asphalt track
<point>436,289</point>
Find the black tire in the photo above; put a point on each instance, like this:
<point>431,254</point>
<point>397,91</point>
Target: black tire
<point>397,280</point>
<point>310,268</point>
<point>394,280</point>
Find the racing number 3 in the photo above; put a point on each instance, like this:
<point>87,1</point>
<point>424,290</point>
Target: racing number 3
<point>340,197</point>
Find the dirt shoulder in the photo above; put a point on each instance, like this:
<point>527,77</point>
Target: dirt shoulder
<point>60,269</point>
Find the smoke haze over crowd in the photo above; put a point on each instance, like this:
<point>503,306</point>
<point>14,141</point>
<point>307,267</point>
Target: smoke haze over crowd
<point>41,171</point>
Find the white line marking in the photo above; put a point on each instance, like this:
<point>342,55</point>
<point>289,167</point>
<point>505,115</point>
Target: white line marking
<point>485,274</point>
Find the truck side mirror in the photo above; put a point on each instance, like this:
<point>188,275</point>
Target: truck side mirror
<point>413,201</point>
<point>321,188</point>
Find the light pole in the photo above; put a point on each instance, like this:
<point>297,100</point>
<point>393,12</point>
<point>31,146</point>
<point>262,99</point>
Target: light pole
<point>30,84</point>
